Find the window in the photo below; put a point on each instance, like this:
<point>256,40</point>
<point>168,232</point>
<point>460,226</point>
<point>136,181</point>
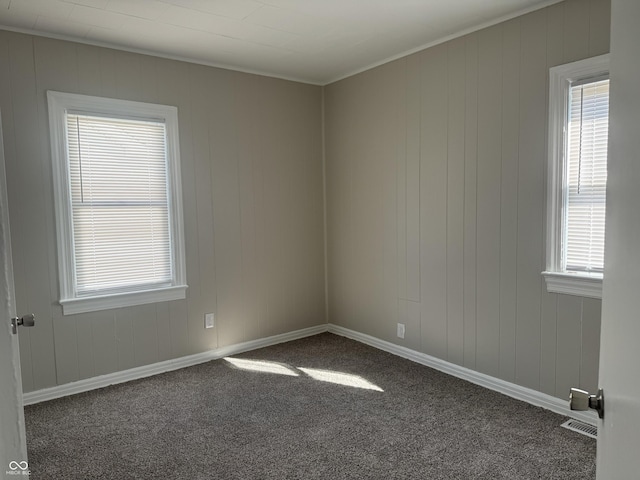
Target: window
<point>577,176</point>
<point>118,202</point>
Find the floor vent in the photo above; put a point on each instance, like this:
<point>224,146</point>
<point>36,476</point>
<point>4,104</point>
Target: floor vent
<point>581,427</point>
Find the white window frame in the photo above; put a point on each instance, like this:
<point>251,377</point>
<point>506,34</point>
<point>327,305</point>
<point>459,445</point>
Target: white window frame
<point>61,103</point>
<point>560,80</point>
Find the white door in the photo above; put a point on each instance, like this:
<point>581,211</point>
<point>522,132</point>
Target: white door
<point>619,432</point>
<point>13,447</point>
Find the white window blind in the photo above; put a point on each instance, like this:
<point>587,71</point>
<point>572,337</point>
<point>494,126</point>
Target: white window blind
<point>120,204</point>
<point>586,170</point>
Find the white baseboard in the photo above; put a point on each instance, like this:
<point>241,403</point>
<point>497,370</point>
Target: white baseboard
<point>100,381</point>
<point>518,392</point>
<point>510,389</point>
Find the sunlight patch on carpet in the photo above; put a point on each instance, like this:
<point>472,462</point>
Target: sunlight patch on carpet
<point>262,366</point>
<point>329,376</point>
<point>340,378</point>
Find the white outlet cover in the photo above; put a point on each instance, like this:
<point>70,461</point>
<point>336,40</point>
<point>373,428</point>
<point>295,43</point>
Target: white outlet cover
<point>208,320</point>
<point>401,330</point>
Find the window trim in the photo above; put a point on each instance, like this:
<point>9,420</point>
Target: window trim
<point>560,79</point>
<point>59,103</point>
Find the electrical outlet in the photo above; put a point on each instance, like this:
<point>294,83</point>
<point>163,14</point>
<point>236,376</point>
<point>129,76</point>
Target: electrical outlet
<point>401,330</point>
<point>208,320</point>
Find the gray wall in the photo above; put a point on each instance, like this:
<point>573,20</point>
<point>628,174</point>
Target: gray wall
<point>251,153</point>
<point>435,169</point>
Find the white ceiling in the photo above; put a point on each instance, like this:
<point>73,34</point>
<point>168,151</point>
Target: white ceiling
<point>314,41</point>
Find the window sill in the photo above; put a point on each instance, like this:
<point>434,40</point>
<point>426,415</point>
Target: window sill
<point>105,302</point>
<point>574,284</point>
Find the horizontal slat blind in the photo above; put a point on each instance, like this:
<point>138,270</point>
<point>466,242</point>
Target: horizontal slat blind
<point>587,137</point>
<point>120,208</point>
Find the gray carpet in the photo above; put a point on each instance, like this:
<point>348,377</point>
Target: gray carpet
<point>220,421</point>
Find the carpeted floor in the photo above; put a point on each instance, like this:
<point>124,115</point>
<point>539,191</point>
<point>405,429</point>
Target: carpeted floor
<point>324,407</point>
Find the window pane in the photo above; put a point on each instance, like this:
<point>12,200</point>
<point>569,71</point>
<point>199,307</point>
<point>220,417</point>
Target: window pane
<point>120,208</point>
<point>116,159</point>
<point>121,246</point>
<point>587,136</point>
